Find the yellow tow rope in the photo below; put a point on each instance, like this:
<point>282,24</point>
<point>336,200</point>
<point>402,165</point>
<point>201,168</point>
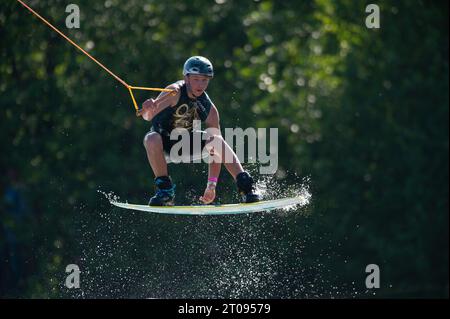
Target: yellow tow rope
<point>129,87</point>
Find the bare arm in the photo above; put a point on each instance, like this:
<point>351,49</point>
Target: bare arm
<point>213,121</point>
<point>151,107</point>
<point>223,152</point>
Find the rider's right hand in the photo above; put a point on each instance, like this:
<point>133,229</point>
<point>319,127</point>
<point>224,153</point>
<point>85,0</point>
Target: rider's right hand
<point>148,109</point>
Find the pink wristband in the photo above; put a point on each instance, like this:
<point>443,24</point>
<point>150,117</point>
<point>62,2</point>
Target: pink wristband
<point>213,179</point>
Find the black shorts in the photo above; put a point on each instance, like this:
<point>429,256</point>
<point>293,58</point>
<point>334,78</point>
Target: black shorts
<point>168,143</point>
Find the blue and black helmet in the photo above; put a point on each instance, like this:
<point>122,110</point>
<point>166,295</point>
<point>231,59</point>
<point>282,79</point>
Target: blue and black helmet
<point>198,65</point>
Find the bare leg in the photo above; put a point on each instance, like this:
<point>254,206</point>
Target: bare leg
<point>154,146</point>
<point>223,151</point>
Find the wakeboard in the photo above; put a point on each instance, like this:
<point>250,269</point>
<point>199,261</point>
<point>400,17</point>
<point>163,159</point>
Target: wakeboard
<point>242,208</point>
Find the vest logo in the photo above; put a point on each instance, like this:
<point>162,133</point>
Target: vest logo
<point>184,116</point>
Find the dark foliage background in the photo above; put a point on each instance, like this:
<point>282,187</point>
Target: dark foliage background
<point>363,122</point>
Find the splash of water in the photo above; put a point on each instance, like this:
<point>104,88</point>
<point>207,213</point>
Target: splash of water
<point>110,196</point>
<point>254,255</point>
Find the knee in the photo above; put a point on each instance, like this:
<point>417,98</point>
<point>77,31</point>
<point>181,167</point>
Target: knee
<point>215,144</point>
<point>152,140</point>
<point>215,140</point>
